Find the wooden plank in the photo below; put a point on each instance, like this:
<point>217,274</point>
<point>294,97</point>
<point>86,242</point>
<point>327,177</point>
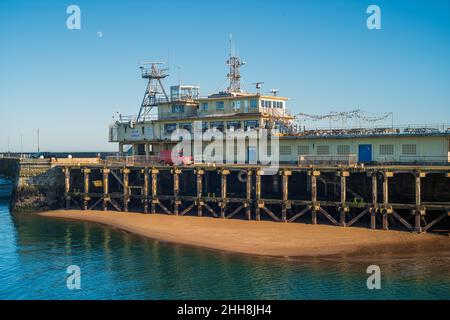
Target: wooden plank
<point>403,221</point>
<point>298,215</point>
<point>164,208</point>
<point>432,223</point>
<point>359,216</point>
<point>210,210</point>
<point>328,216</point>
<point>187,209</point>
<point>271,214</point>
<point>95,204</point>
<point>235,211</point>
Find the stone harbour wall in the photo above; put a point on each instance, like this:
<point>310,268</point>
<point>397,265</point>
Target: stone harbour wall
<point>38,186</point>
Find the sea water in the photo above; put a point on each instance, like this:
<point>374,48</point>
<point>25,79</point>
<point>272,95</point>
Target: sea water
<point>35,253</point>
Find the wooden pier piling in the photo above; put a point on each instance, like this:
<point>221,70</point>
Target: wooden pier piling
<point>414,216</point>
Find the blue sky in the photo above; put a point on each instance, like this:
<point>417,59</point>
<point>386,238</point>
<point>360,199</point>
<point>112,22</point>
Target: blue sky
<point>319,53</point>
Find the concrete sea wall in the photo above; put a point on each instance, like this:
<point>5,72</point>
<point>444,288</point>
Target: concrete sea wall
<point>38,185</point>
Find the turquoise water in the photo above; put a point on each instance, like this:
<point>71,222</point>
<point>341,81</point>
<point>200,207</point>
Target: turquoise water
<point>35,252</point>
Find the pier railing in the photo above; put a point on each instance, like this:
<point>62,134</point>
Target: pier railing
<point>416,129</point>
<point>131,160</point>
<point>348,160</point>
<point>425,159</point>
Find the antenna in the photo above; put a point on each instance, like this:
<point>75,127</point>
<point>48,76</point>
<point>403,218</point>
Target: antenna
<point>38,146</point>
<point>274,92</point>
<point>258,85</point>
<point>155,91</point>
<point>234,62</point>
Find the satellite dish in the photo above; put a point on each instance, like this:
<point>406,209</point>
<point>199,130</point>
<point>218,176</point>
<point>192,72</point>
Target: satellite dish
<point>258,85</point>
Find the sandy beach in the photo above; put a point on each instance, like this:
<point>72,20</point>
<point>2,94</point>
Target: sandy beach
<point>252,237</point>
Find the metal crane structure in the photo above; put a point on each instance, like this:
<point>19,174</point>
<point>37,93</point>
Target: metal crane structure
<point>155,92</point>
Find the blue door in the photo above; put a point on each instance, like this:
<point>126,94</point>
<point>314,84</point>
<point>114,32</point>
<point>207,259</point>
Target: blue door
<point>365,153</point>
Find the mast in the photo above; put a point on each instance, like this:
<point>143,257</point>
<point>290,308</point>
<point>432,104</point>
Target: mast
<point>155,92</point>
<point>234,62</point>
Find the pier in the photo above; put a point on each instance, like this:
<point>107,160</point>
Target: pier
<point>405,197</point>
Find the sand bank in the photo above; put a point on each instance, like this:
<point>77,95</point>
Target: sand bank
<point>250,237</point>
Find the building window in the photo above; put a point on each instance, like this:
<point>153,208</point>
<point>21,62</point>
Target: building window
<point>204,106</point>
<point>250,124</point>
<point>217,124</point>
<point>237,105</point>
<point>409,149</point>
<point>302,150</point>
<point>323,150</point>
<point>285,150</point>
<point>170,127</point>
<point>253,103</point>
<point>185,126</point>
<point>234,124</point>
<point>219,105</point>
<point>386,149</point>
<point>176,108</point>
<point>246,106</point>
<point>343,149</point>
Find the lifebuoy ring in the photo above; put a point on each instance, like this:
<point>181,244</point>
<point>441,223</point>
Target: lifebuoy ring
<point>242,176</point>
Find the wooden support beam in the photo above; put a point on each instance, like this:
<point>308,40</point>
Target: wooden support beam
<point>359,216</point>
<point>328,216</point>
<point>235,211</point>
<point>343,209</point>
<point>106,197</point>
<point>419,211</point>
<point>223,188</point>
<point>285,205</point>
<point>385,209</point>
<point>248,195</point>
<point>314,207</point>
<point>200,174</point>
<point>189,208</point>
<point>67,186</point>
<point>403,221</point>
<point>145,190</point>
<point>114,174</point>
<point>258,194</point>
<point>126,188</point>
<point>154,197</point>
<point>210,210</point>
<point>438,219</point>
<point>270,213</point>
<point>176,190</point>
<point>298,215</point>
<point>374,209</point>
<point>86,198</point>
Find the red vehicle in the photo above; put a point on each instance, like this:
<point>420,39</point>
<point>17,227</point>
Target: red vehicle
<point>165,158</point>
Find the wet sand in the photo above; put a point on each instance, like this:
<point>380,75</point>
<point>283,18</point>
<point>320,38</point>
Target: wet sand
<point>253,237</point>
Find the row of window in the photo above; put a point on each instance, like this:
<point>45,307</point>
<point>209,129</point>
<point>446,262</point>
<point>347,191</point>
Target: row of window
<point>242,105</point>
<point>407,149</point>
<point>344,149</point>
<point>219,125</point>
<point>272,104</point>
